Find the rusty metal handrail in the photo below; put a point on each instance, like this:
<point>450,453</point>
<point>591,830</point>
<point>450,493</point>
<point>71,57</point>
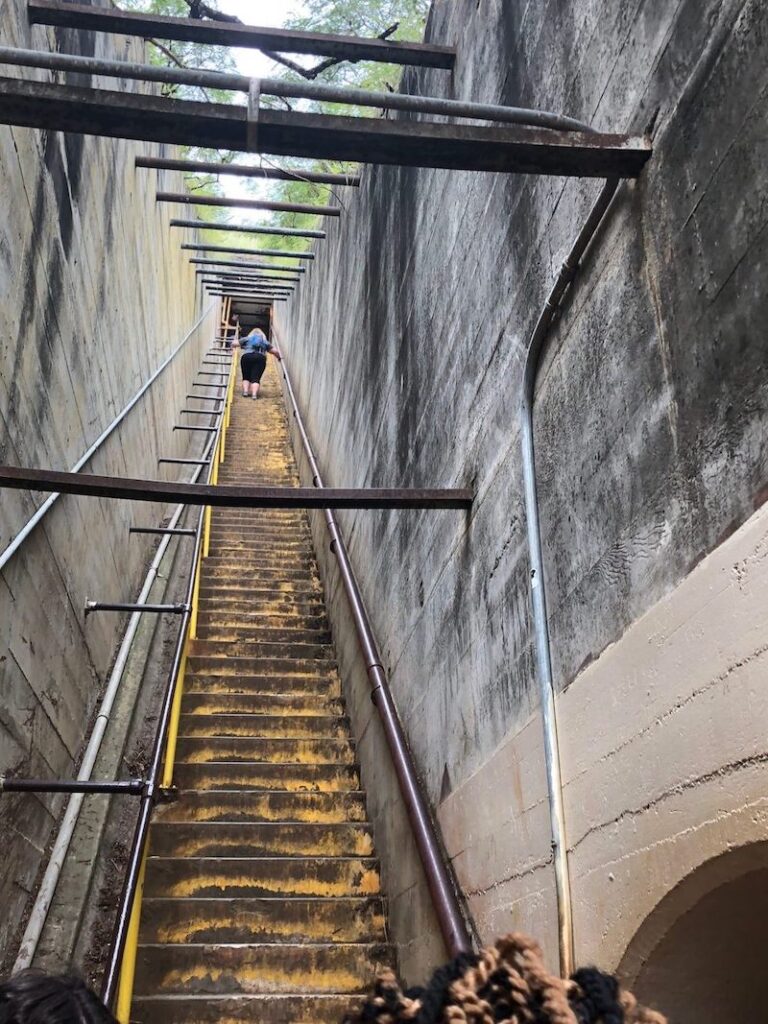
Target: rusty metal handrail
<point>441,886</point>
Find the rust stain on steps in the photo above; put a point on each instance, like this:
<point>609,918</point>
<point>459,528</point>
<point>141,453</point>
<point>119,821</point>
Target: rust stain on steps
<point>262,898</point>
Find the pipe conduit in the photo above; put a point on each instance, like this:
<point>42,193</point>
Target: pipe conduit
<point>538,590</point>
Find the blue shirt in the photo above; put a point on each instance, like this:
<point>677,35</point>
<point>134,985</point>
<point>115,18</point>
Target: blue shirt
<point>256,344</point>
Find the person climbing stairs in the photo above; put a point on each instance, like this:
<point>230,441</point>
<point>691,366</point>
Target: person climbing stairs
<point>262,898</point>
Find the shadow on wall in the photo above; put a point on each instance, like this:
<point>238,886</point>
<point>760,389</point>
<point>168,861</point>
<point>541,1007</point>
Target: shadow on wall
<point>699,954</point>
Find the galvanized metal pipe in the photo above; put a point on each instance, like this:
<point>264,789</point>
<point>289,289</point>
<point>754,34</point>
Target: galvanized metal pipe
<point>538,588</point>
<point>443,891</point>
<point>40,514</point>
<point>292,90</point>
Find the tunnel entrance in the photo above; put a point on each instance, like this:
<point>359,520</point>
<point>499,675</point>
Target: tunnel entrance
<point>701,952</point>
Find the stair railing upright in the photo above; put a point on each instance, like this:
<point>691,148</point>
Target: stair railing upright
<point>441,886</point>
<point>117,986</point>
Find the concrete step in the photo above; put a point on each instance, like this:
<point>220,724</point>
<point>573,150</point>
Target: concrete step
<point>344,919</point>
<point>273,839</point>
<point>271,1009</point>
<point>297,778</point>
<point>259,602</point>
<point>264,726</point>
<point>267,618</point>
<point>287,706</point>
<point>275,751</point>
<point>323,683</point>
<point>244,632</point>
<point>261,805</point>
<point>184,877</point>
<point>289,543</point>
<point>253,969</point>
<point>244,590</point>
<point>240,571</point>
<point>306,659</point>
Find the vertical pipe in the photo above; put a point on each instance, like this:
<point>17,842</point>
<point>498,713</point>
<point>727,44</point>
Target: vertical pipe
<point>538,589</point>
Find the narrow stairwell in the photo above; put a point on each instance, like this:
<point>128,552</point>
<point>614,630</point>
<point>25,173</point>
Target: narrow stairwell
<point>262,898</point>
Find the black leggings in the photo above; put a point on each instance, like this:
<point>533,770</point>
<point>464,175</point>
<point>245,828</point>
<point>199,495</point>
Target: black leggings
<point>253,365</point>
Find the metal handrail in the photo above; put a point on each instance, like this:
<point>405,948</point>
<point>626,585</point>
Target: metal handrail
<point>119,974</point>
<point>39,514</point>
<point>441,886</point>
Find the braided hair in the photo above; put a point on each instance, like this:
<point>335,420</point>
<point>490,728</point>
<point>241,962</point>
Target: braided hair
<point>507,984</point>
<point>33,997</point>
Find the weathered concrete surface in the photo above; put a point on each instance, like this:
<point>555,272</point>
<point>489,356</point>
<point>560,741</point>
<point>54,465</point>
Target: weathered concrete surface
<point>407,341</point>
<point>93,297</point>
<point>664,751</point>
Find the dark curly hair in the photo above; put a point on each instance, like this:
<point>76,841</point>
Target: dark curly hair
<point>33,997</point>
<point>507,984</point>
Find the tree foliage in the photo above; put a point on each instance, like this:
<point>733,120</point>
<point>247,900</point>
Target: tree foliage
<point>395,19</point>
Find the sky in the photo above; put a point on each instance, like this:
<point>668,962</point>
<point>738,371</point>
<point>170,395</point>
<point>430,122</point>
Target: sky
<point>253,63</point>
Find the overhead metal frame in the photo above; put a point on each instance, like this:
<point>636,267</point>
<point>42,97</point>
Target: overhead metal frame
<point>98,19</point>
<point>192,199</point>
<point>248,229</point>
<point>283,253</point>
<point>228,496</point>
<point>247,171</point>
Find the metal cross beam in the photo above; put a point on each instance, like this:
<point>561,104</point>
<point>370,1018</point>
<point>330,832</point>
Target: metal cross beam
<point>509,149</point>
<point>258,284</point>
<point>246,171</point>
<point>245,282</point>
<point>247,265</point>
<point>97,19</point>
<point>188,199</point>
<point>286,253</point>
<point>248,229</point>
<point>266,283</point>
<point>233,497</point>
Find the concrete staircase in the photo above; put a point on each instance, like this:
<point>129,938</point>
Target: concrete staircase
<point>262,898</point>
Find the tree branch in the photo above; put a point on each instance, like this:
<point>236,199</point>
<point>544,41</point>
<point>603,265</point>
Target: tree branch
<point>199,9</point>
<point>179,63</point>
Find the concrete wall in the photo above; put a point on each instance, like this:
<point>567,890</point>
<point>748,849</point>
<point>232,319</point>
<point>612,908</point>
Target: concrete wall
<point>94,295</point>
<point>407,343</point>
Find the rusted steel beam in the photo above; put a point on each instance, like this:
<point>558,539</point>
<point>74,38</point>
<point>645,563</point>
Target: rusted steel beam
<point>230,496</point>
<point>249,229</point>
<point>285,253</point>
<point>246,204</point>
<point>283,283</point>
<point>201,261</point>
<point>246,171</point>
<point>509,149</point>
<point>192,30</point>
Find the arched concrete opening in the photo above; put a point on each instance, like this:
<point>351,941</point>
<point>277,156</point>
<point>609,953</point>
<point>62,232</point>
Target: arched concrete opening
<point>699,955</point>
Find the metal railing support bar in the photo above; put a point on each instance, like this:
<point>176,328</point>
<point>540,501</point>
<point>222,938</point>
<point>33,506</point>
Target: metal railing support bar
<point>441,886</point>
<point>41,512</point>
<point>132,787</point>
